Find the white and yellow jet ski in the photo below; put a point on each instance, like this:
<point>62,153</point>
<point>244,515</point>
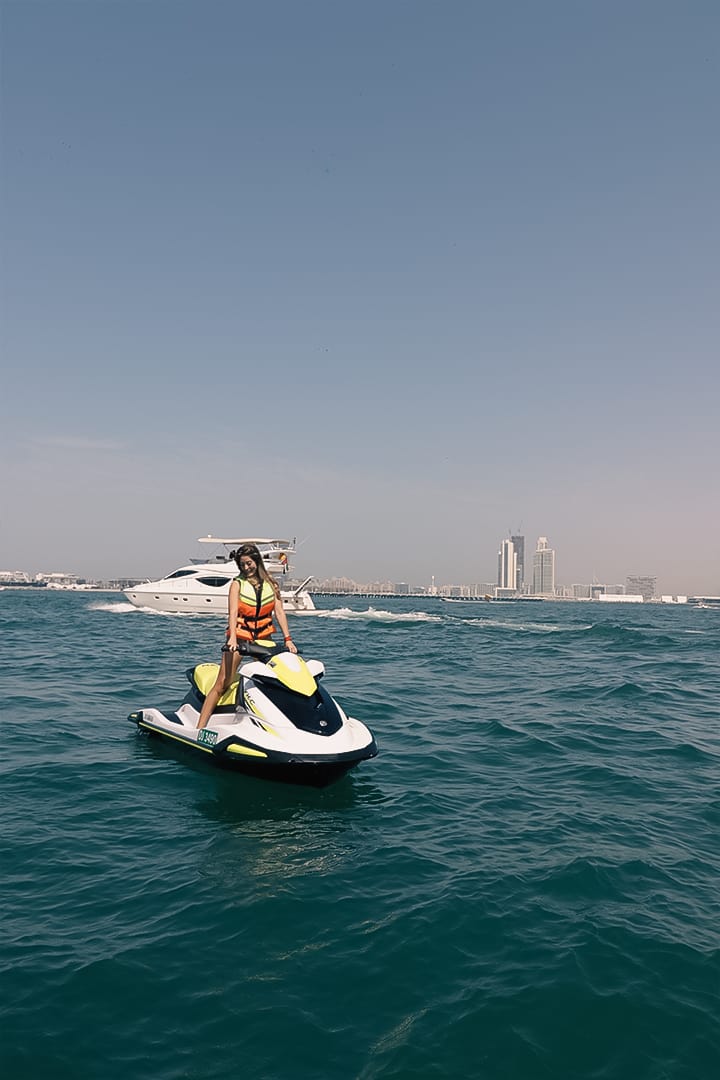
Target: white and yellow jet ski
<point>275,721</point>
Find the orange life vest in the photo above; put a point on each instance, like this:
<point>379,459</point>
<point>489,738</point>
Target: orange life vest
<point>255,611</point>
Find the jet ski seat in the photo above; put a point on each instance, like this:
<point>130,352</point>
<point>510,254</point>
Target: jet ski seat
<point>204,676</point>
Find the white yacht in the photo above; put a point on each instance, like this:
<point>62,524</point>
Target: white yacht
<point>203,584</point>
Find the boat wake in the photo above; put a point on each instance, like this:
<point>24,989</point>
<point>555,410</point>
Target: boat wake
<point>375,615</point>
<point>124,608</point>
<point>537,628</point>
<point>117,606</point>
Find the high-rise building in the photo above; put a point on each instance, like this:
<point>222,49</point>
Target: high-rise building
<point>641,586</point>
<point>507,566</point>
<point>519,545</point>
<point>543,568</point>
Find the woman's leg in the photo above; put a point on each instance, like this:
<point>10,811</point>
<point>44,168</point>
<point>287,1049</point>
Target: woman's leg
<point>228,666</point>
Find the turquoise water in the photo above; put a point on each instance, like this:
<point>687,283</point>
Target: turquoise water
<point>523,884</point>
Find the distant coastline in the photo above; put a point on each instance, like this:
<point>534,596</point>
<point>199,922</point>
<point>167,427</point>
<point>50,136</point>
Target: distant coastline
<point>690,601</point>
<point>455,594</point>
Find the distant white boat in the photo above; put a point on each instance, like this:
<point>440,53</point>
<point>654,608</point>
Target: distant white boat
<point>621,598</point>
<point>71,586</point>
<point>464,599</point>
<point>488,599</point>
<point>202,586</point>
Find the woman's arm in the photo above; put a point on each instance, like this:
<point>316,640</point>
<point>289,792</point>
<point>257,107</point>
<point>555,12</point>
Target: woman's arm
<point>282,619</point>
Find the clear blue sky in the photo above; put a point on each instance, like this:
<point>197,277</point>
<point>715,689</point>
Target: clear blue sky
<point>393,277</point>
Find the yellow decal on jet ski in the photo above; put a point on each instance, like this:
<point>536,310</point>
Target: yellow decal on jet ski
<point>292,671</point>
<point>251,706</point>
<point>236,748</point>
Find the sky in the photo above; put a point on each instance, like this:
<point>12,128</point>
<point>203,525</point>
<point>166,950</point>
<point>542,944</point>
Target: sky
<point>396,277</point>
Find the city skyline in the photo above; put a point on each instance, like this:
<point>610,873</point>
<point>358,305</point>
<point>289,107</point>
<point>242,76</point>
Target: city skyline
<point>111,568</point>
<point>543,581</point>
<point>388,277</point>
<point>636,588</point>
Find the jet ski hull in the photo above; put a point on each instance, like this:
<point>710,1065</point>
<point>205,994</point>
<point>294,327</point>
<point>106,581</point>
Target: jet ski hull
<point>286,726</point>
<point>232,753</point>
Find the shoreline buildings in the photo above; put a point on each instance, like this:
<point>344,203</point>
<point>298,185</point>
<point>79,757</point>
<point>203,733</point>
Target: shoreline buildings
<point>511,565</point>
<point>511,568</point>
<point>507,567</point>
<point>543,569</point>
<point>641,585</point>
<point>519,545</point>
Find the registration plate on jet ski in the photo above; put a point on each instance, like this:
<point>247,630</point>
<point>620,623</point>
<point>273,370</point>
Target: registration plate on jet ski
<point>209,738</point>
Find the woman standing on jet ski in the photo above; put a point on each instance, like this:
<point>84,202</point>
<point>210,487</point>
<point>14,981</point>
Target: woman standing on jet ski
<point>254,599</point>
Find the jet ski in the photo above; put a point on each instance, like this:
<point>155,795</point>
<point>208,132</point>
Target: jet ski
<point>276,721</point>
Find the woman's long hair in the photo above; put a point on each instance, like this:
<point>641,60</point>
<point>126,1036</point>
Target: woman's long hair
<point>250,551</point>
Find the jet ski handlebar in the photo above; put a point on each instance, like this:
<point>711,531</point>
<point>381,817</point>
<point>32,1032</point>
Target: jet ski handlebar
<point>248,648</point>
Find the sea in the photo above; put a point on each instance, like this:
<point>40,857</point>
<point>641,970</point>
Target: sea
<point>524,884</point>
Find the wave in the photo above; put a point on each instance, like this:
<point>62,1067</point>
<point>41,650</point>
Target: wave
<point>631,691</point>
<point>609,631</point>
